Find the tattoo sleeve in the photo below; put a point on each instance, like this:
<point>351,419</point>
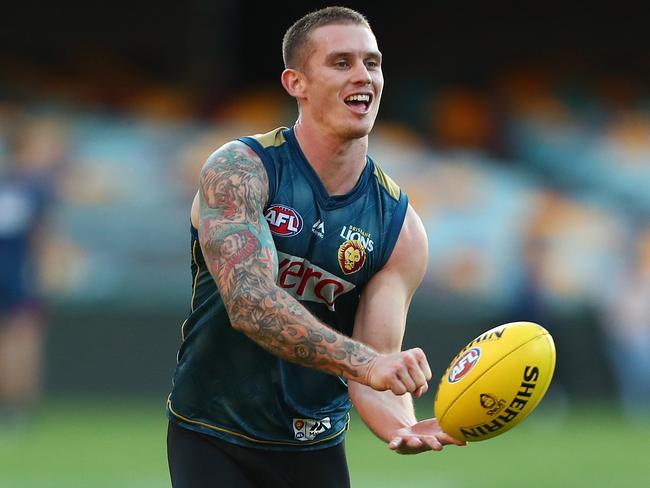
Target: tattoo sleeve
<point>241,256</point>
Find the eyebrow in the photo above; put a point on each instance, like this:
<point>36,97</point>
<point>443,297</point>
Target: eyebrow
<point>347,54</point>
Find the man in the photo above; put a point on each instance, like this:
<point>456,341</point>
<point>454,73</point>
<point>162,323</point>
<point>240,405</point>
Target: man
<point>299,242</point>
<point>36,152</point>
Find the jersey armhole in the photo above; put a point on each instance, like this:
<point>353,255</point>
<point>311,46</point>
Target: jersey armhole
<point>268,163</point>
<point>394,228</point>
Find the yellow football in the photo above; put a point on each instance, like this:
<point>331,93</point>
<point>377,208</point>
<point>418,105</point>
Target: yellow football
<point>495,381</point>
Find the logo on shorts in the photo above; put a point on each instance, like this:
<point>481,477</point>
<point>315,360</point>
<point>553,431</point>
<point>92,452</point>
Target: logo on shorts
<point>352,256</point>
<point>283,221</point>
<point>308,429</point>
<point>464,365</point>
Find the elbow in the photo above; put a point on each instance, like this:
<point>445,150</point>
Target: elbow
<point>238,324</point>
<point>239,312</point>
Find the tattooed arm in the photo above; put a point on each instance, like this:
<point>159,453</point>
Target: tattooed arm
<point>241,256</point>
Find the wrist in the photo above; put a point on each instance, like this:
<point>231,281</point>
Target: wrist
<point>365,372</point>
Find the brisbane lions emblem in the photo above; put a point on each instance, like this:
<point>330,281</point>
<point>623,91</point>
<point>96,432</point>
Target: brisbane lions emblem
<point>352,256</point>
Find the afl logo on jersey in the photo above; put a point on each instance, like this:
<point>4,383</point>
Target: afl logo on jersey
<point>352,256</point>
<point>283,221</point>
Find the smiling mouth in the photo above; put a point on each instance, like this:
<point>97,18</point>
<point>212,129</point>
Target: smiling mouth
<point>359,103</point>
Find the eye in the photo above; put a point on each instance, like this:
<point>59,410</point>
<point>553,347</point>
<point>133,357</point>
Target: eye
<point>342,64</point>
<point>372,64</point>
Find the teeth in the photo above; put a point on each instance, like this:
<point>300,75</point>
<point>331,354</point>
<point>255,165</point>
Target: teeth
<point>358,98</point>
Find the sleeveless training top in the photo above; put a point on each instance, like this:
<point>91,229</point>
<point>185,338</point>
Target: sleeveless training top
<point>24,201</point>
<point>328,247</point>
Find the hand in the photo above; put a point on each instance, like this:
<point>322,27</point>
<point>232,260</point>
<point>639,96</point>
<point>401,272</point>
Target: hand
<point>402,372</point>
<point>425,435</point>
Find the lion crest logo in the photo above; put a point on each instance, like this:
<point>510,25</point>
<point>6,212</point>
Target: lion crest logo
<point>352,256</point>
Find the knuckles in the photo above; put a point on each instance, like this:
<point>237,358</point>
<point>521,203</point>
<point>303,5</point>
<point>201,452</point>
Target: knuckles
<point>396,368</point>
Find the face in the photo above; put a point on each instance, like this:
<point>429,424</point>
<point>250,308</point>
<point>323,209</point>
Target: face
<point>343,80</point>
<point>352,256</point>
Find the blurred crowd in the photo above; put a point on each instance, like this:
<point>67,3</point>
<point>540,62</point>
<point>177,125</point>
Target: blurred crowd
<point>534,193</point>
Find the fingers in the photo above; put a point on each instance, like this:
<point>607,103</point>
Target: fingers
<point>425,435</point>
<point>424,364</point>
<point>433,443</point>
<point>447,439</point>
<point>415,444</point>
<point>395,444</point>
<point>416,375</point>
<point>403,372</point>
<point>421,391</point>
<point>408,445</point>
<point>419,370</point>
<point>397,386</point>
<point>406,379</point>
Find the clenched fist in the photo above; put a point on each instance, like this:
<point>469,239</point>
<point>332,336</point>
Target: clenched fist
<point>401,372</point>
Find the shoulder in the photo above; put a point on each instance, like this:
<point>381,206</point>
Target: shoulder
<point>411,252</point>
<point>386,182</point>
<point>233,164</point>
<point>274,138</point>
<point>233,153</point>
<point>232,177</point>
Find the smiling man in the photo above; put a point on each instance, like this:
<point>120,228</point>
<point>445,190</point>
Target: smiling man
<point>305,257</point>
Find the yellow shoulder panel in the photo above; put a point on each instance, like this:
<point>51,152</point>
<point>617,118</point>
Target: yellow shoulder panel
<point>387,182</point>
<point>274,138</point>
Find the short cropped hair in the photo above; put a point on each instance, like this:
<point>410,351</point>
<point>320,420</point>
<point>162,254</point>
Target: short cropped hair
<point>297,37</point>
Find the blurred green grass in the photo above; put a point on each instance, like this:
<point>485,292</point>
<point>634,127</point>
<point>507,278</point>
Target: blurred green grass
<point>120,443</point>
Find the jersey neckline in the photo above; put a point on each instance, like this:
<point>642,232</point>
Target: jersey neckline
<point>324,198</point>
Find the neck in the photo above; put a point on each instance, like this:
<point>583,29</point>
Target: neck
<point>338,162</point>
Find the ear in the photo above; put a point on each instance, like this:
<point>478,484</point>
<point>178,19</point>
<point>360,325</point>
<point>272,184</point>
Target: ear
<point>294,82</point>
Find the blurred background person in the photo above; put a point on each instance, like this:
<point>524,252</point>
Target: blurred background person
<point>626,316</point>
<point>33,154</point>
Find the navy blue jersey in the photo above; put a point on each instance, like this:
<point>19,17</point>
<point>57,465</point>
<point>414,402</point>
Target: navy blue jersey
<point>328,248</point>
<point>23,201</point>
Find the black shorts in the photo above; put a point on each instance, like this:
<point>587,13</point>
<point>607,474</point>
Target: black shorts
<point>201,461</point>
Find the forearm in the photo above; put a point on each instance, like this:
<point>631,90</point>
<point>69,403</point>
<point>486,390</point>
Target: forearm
<point>280,324</point>
<point>382,411</point>
<point>243,262</point>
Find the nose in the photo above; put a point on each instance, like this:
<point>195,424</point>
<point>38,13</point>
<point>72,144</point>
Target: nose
<point>361,74</point>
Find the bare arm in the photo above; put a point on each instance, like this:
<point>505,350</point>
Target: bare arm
<point>380,323</point>
<point>241,256</point>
